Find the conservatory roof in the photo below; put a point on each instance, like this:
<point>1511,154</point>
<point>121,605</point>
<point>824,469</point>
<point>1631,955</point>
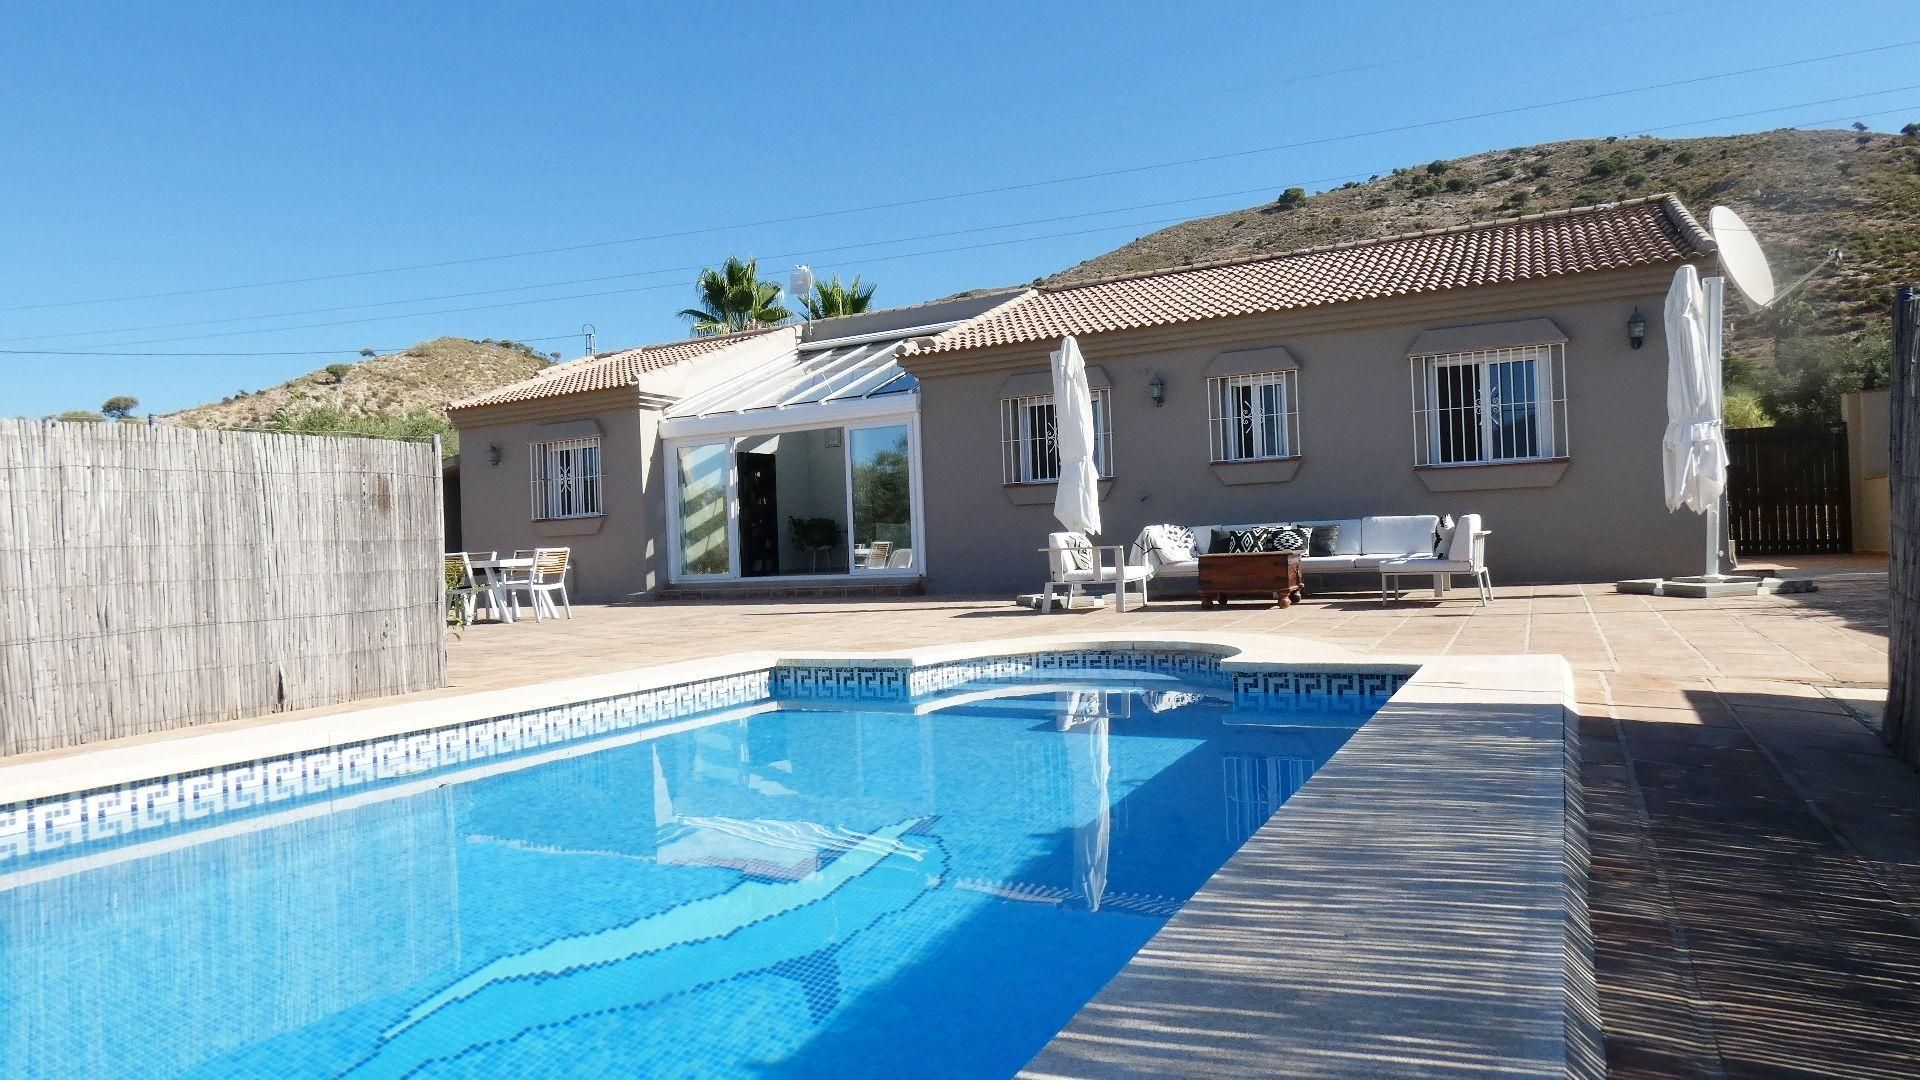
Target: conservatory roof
<point>815,373</point>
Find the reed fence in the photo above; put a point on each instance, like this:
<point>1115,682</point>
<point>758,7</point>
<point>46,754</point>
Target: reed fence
<point>158,577</point>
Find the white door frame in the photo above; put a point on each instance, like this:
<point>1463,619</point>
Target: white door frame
<point>702,433</point>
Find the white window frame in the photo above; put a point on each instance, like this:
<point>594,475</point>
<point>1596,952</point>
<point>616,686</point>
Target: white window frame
<point>1471,435</point>
<point>1267,429</point>
<point>1029,453</point>
<point>564,475</point>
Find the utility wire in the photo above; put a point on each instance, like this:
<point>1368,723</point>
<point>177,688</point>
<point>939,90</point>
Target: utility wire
<point>356,350</point>
<point>817,251</point>
<point>1002,189</point>
<point>673,269</point>
<point>1052,121</point>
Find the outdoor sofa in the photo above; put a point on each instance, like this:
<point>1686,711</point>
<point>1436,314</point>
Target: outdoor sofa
<point>1396,545</point>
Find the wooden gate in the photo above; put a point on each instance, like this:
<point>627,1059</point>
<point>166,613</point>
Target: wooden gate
<point>1787,491</point>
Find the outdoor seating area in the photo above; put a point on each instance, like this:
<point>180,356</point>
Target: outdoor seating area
<point>483,580</point>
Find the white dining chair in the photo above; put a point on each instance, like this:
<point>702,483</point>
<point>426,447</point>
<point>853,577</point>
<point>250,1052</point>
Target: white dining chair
<point>901,559</point>
<point>547,576</point>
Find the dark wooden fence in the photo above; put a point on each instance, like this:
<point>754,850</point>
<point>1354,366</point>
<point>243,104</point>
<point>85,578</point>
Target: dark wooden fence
<point>158,577</point>
<point>1787,491</point>
<point>1902,726</point>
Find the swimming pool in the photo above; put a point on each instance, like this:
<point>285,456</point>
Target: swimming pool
<point>858,872</point>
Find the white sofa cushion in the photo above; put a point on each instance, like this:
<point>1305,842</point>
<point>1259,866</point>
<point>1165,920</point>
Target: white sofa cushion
<point>1327,564</point>
<point>1411,534</point>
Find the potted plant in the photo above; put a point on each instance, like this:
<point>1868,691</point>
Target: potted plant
<point>814,535</point>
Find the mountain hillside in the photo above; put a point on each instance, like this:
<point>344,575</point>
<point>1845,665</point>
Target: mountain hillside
<point>420,380</point>
<point>1802,191</point>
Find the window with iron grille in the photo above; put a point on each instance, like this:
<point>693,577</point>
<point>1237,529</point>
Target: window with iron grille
<point>1029,453</point>
<point>566,478</point>
<point>1490,407</point>
<point>1254,417</point>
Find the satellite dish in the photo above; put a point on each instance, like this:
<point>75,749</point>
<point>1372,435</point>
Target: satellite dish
<point>1740,256</point>
<point>800,282</point>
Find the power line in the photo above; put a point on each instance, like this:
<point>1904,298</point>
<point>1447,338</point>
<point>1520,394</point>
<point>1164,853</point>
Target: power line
<point>1903,109</point>
<point>383,350</point>
<point>814,252</point>
<point>670,269</point>
<point>1003,189</point>
<point>1052,121</point>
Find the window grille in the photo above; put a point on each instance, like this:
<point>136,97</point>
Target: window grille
<point>566,478</point>
<point>1029,453</point>
<point>1490,407</point>
<point>1254,417</point>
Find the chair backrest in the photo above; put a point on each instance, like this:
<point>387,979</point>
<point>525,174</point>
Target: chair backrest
<point>550,564</point>
<point>525,553</point>
<point>1068,552</point>
<point>877,555</point>
<point>460,571</point>
<point>1468,545</point>
<point>901,560</point>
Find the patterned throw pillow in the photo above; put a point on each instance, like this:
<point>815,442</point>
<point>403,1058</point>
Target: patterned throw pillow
<point>1443,535</point>
<point>1294,538</point>
<point>1175,540</point>
<point>1324,537</point>
<point>1247,541</point>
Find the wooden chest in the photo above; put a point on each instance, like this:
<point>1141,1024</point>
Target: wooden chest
<point>1258,573</point>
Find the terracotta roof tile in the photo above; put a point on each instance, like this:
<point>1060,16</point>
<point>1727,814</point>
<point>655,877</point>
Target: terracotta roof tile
<point>604,371</point>
<point>1640,232</point>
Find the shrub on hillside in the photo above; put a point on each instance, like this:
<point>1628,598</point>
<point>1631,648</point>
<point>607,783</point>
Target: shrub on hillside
<point>324,420</point>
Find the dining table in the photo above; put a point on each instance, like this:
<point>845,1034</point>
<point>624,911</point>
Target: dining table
<point>492,575</point>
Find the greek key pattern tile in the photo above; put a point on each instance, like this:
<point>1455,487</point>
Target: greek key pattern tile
<point>1364,689</point>
<point>855,683</point>
<point>65,822</point>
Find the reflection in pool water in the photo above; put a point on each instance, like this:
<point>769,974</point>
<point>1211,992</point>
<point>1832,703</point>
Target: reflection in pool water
<point>795,892</point>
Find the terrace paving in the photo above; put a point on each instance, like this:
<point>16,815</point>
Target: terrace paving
<point>1755,889</point>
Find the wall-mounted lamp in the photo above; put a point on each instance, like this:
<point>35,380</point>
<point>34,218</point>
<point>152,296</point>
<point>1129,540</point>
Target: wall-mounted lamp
<point>493,454</point>
<point>1636,329</point>
<point>1157,390</point>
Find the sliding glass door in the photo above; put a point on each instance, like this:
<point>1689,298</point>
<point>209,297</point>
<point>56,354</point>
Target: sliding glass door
<point>796,503</point>
<point>882,497</point>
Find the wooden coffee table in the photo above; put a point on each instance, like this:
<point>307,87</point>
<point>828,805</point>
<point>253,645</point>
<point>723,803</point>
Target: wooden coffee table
<point>1254,573</point>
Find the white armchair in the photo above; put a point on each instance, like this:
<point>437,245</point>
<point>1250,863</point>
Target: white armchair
<point>1074,563</point>
<point>1465,553</point>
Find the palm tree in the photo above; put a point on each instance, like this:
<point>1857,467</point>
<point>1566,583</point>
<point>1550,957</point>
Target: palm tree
<point>830,298</point>
<point>734,298</point>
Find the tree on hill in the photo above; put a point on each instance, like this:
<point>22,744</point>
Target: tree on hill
<point>77,416</point>
<point>830,298</point>
<point>119,407</point>
<point>734,298</point>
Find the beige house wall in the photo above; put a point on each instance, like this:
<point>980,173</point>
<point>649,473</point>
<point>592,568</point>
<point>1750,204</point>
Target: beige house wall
<point>1599,516</point>
<point>623,551</point>
<point>1869,443</point>
<point>611,555</point>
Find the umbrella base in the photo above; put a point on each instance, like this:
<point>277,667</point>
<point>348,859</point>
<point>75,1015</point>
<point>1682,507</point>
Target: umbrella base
<point>1702,587</point>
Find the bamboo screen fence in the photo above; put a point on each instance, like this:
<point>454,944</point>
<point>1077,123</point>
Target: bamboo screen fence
<point>1902,725</point>
<point>155,577</point>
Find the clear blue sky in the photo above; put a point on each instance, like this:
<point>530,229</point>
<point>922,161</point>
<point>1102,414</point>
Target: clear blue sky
<point>157,148</point>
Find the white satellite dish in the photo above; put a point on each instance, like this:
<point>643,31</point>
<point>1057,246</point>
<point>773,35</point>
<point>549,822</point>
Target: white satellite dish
<point>800,282</point>
<point>1740,256</point>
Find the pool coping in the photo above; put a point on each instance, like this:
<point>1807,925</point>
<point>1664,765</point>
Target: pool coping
<point>1318,944</point>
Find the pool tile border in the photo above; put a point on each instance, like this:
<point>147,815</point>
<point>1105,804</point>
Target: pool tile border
<point>109,815</point>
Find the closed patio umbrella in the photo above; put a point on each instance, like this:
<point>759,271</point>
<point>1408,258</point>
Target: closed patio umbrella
<point>1694,451</point>
<point>1076,501</point>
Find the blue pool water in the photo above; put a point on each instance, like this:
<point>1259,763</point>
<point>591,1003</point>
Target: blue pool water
<point>908,889</point>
